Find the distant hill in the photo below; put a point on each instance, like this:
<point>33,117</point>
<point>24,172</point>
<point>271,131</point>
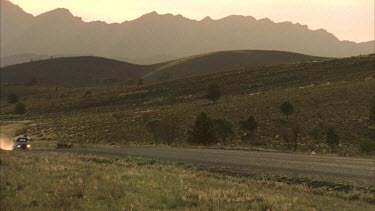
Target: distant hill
<point>75,71</point>
<point>152,35</point>
<point>88,70</point>
<point>224,61</point>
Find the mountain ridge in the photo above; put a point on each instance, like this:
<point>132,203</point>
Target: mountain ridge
<point>151,35</point>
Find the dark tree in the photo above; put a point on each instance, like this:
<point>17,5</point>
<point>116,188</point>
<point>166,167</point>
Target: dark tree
<point>169,128</point>
<point>249,125</point>
<point>223,129</point>
<point>12,98</point>
<point>88,93</point>
<point>332,138</point>
<point>140,82</point>
<point>153,127</point>
<point>296,133</point>
<point>214,92</point>
<point>203,132</point>
<point>287,109</point>
<point>33,80</point>
<point>20,108</point>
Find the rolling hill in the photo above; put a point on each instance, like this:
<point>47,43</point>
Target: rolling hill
<point>224,61</point>
<point>332,93</point>
<point>74,71</point>
<point>83,71</point>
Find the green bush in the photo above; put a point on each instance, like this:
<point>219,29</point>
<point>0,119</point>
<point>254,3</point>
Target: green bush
<point>368,146</point>
<point>12,98</point>
<point>203,132</point>
<point>223,129</point>
<point>62,145</point>
<point>214,92</point>
<point>287,109</point>
<point>20,108</point>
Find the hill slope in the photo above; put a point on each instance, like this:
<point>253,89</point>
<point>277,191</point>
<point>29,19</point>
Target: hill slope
<point>77,71</point>
<point>332,93</point>
<point>152,35</point>
<point>224,61</point>
<point>82,71</point>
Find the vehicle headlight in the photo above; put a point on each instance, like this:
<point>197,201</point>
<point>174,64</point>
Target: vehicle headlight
<point>28,146</point>
<point>18,146</point>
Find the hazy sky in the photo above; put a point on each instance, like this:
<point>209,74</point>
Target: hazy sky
<point>347,19</point>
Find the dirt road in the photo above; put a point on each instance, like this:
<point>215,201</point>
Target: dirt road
<point>357,171</point>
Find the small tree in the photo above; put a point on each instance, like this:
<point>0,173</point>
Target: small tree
<point>287,109</point>
<point>249,126</point>
<point>140,82</point>
<point>317,134</point>
<point>332,138</point>
<point>203,132</point>
<point>33,80</point>
<point>153,127</point>
<point>88,93</point>
<point>223,129</point>
<point>214,92</point>
<point>12,98</point>
<point>20,108</point>
<point>169,128</point>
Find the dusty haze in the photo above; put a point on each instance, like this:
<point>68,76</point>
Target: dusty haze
<point>161,36</point>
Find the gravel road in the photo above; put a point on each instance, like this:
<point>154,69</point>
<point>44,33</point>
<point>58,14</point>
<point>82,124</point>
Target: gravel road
<point>356,171</point>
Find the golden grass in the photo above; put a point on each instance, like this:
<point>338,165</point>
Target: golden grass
<point>63,181</point>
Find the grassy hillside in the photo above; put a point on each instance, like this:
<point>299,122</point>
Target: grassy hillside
<point>73,71</point>
<point>334,93</point>
<point>95,71</point>
<point>224,61</point>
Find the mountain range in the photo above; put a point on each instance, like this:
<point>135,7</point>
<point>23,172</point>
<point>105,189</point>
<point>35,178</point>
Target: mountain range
<point>154,38</point>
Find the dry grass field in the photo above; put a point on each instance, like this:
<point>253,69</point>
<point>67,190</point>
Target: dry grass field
<point>64,181</point>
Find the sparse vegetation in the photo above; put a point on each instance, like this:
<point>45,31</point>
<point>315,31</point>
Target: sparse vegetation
<point>323,92</point>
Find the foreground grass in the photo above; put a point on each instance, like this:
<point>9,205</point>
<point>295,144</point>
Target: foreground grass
<point>62,181</point>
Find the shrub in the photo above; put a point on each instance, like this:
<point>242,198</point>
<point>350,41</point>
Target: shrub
<point>12,98</point>
<point>203,132</point>
<point>168,128</point>
<point>62,145</point>
<point>249,126</point>
<point>20,108</point>
<point>332,138</point>
<point>223,129</point>
<point>153,127</point>
<point>140,82</point>
<point>287,109</point>
<point>88,93</point>
<point>214,92</point>
<point>368,146</point>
